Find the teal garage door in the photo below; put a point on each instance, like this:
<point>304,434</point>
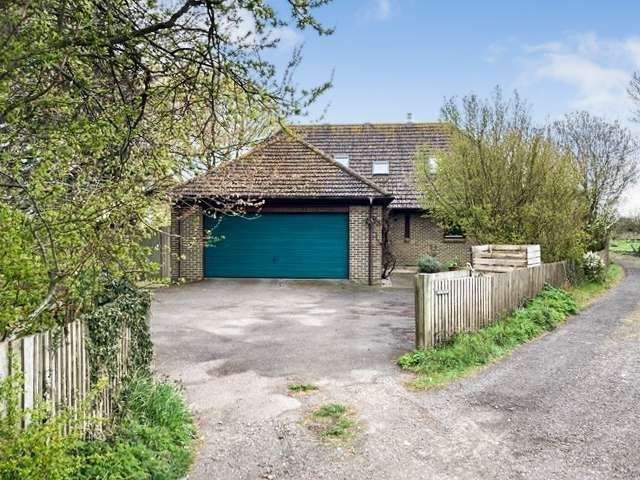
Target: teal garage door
<point>279,245</point>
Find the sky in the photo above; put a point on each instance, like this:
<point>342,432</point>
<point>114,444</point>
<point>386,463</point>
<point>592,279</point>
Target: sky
<point>393,57</point>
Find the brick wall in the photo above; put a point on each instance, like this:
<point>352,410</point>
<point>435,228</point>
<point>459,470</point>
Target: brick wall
<point>426,238</point>
<point>359,245</point>
<point>186,245</point>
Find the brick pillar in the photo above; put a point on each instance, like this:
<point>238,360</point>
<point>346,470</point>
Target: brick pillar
<point>186,245</point>
<point>359,245</point>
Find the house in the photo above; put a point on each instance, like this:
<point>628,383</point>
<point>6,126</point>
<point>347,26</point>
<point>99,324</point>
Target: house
<point>319,201</point>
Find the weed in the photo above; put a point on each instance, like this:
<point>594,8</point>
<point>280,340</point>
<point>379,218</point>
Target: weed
<point>339,429</point>
<point>302,387</point>
<point>332,421</point>
<point>330,410</point>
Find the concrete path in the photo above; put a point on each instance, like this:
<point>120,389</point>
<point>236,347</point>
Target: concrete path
<point>566,406</point>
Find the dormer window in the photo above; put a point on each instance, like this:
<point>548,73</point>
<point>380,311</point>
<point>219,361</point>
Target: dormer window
<point>380,167</point>
<point>342,159</point>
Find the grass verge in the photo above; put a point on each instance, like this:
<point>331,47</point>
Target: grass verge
<point>624,246</point>
<point>333,421</point>
<point>468,351</point>
<point>586,292</point>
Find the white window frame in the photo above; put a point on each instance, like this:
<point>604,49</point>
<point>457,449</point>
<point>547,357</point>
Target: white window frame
<point>432,165</point>
<point>342,159</point>
<point>380,167</point>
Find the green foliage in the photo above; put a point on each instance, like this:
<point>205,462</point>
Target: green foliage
<point>502,180</point>
<point>101,115</point>
<point>428,264</point>
<point>631,247</point>
<point>119,305</point>
<point>333,421</point>
<point>41,449</point>
<point>302,387</point>
<point>452,265</point>
<point>585,291</point>
<point>330,410</point>
<point>23,280</point>
<point>338,429</point>
<point>470,350</point>
<point>153,437</point>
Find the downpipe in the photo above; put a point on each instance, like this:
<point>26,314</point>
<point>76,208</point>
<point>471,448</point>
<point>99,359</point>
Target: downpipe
<point>370,241</point>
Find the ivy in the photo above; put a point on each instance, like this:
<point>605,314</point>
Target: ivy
<point>120,305</point>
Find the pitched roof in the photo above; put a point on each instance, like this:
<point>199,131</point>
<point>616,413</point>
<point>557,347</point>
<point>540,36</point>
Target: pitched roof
<point>366,143</point>
<point>284,166</point>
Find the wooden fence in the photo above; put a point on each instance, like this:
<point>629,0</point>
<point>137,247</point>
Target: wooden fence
<point>446,306</point>
<point>55,368</point>
<point>503,258</point>
<point>160,252</point>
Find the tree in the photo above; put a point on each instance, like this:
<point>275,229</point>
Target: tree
<point>501,179</point>
<point>629,225</point>
<point>104,106</point>
<point>605,155</point>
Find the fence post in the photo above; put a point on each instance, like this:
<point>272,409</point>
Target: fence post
<point>424,312</point>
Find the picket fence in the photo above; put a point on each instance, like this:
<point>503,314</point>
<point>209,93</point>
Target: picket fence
<point>470,301</point>
<point>55,368</point>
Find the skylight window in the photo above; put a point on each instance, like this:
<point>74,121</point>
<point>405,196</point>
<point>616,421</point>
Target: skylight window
<point>380,167</point>
<point>432,165</point>
<point>342,159</point>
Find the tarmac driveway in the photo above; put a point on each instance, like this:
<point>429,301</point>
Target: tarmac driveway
<point>235,345</point>
<point>566,406</point>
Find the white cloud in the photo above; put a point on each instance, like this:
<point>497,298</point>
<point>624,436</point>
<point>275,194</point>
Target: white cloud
<point>377,10</point>
<point>596,72</point>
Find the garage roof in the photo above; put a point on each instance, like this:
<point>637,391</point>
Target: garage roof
<point>285,166</point>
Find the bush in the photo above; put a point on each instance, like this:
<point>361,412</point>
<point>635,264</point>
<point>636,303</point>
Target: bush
<point>151,438</point>
<point>41,449</point>
<point>593,267</point>
<point>452,265</point>
<point>428,264</point>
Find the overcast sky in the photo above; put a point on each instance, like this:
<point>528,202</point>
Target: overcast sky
<point>391,57</point>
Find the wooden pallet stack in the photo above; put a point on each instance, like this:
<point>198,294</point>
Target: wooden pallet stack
<point>504,258</point>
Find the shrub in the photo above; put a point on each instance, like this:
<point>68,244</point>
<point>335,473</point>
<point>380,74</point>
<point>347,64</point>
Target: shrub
<point>41,449</point>
<point>428,264</point>
<point>452,265</point>
<point>151,438</point>
<point>121,304</point>
<point>593,267</point>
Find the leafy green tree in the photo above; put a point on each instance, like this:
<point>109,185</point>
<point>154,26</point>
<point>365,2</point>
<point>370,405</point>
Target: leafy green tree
<point>104,106</point>
<point>501,179</point>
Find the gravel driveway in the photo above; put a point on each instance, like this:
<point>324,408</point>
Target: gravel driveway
<point>564,407</point>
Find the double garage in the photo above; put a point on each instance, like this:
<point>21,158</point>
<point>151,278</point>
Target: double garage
<point>277,245</point>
